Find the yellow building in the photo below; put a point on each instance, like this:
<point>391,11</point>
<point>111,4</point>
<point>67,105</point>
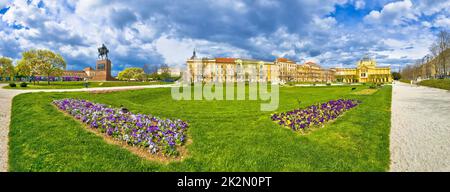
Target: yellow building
<point>282,70</point>
<point>312,72</point>
<point>231,70</point>
<point>289,71</point>
<point>366,71</point>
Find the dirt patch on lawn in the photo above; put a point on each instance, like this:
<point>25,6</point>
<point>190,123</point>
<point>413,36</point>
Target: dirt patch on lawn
<point>366,92</point>
<point>113,90</point>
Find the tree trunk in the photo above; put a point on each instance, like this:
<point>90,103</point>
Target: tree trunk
<point>444,65</point>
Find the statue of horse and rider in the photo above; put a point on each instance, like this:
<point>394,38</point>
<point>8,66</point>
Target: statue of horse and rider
<point>103,52</point>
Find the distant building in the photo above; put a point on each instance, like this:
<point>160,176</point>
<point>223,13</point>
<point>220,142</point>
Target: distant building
<point>229,70</point>
<point>366,71</point>
<point>101,73</point>
<point>72,75</point>
<point>282,70</point>
<point>312,72</point>
<point>288,70</point>
<point>237,70</point>
<point>173,72</point>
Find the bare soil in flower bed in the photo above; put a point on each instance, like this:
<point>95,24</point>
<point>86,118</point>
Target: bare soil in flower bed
<point>309,130</point>
<point>139,151</point>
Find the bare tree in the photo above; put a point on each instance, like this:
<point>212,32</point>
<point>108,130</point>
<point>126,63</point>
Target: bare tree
<point>434,49</point>
<point>443,43</point>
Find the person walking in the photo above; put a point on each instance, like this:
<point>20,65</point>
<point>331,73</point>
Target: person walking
<point>86,84</point>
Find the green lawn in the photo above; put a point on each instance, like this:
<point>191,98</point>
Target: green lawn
<point>80,84</point>
<point>405,81</point>
<point>226,135</point>
<point>437,83</point>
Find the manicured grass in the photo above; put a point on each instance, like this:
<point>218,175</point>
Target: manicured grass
<point>405,81</point>
<point>366,92</point>
<point>436,83</point>
<point>226,135</point>
<point>80,84</point>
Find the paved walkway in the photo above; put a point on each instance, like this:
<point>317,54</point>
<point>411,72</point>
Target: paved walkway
<point>420,131</point>
<point>6,96</point>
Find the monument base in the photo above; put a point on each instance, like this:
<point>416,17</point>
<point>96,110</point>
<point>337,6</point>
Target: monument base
<point>103,71</point>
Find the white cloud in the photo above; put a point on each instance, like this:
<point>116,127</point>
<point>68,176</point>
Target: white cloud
<point>325,23</point>
<point>359,4</point>
<point>394,13</point>
<point>4,3</point>
<point>413,48</point>
<point>268,3</point>
<point>426,24</point>
<point>430,7</point>
<point>176,51</point>
<point>442,21</point>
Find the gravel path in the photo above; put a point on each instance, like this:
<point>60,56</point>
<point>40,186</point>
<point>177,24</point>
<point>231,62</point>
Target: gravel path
<point>6,96</point>
<point>420,131</point>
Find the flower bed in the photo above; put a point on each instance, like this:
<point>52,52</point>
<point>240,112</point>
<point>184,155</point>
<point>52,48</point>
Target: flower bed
<point>314,115</point>
<point>150,132</point>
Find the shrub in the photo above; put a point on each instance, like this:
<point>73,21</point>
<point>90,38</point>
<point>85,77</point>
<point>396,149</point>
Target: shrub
<point>23,84</point>
<point>290,83</point>
<point>437,83</point>
<point>12,85</point>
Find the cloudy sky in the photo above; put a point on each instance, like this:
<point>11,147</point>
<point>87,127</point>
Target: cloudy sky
<point>334,33</point>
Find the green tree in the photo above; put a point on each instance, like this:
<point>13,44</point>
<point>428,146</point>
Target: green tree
<point>153,76</point>
<point>6,68</point>
<point>132,73</point>
<point>41,62</point>
<point>396,75</point>
<point>165,76</point>
<point>25,66</point>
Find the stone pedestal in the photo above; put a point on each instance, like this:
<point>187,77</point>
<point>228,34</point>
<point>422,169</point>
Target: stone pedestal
<point>102,71</point>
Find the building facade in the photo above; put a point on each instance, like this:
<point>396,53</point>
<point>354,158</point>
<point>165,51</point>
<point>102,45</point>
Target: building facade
<point>282,70</point>
<point>102,72</point>
<point>231,70</point>
<point>366,71</point>
<point>237,70</point>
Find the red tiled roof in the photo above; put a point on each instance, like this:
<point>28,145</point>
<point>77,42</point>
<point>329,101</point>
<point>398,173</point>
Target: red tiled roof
<point>284,60</point>
<point>312,64</point>
<point>225,60</point>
